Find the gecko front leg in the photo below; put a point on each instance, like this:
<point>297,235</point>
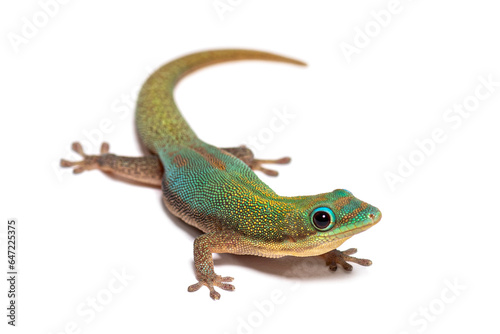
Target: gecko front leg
<point>204,246</point>
<point>147,170</point>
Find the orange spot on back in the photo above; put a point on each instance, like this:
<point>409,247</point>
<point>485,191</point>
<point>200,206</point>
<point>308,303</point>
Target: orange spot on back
<point>212,160</point>
<point>180,161</point>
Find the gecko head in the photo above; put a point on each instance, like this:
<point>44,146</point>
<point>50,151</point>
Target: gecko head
<point>338,215</point>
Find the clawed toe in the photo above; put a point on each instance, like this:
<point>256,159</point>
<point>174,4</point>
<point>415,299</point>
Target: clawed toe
<point>256,164</point>
<point>195,287</point>
<point>104,148</point>
<point>77,147</point>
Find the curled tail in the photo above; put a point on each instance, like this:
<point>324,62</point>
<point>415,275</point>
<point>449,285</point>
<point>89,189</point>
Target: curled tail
<point>158,119</point>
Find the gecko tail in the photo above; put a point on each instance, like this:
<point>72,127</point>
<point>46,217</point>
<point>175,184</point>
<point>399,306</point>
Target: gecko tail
<point>159,121</point>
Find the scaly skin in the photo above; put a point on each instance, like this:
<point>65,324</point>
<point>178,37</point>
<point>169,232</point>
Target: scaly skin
<point>216,190</point>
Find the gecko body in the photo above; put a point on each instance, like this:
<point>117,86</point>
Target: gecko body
<point>216,190</point>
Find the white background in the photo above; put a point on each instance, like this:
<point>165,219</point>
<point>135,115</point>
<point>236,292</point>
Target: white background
<point>353,120</point>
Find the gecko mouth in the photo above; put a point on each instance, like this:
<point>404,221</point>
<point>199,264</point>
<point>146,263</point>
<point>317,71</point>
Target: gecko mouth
<point>375,217</point>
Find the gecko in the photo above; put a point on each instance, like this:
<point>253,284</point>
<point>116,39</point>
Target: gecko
<point>216,189</point>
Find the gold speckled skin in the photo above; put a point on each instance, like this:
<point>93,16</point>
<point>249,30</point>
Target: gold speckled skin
<point>216,191</point>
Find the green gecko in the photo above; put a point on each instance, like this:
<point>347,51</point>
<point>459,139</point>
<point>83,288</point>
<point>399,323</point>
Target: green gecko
<point>215,189</point>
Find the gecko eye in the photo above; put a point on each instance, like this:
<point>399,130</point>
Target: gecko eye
<point>323,218</point>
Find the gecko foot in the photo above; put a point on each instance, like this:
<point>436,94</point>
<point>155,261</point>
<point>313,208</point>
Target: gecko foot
<point>210,282</point>
<point>335,257</point>
<point>256,164</point>
<point>89,162</point>
<point>246,155</point>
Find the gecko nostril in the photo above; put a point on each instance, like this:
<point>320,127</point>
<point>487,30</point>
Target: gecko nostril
<point>375,216</point>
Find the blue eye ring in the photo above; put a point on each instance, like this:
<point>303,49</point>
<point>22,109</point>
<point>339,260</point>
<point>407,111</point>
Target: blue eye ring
<point>323,218</point>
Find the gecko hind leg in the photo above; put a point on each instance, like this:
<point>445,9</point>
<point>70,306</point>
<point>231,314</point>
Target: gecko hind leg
<point>335,257</point>
<point>246,155</point>
<point>145,170</point>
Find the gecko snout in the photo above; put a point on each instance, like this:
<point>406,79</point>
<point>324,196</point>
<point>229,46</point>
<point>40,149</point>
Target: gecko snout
<point>375,216</point>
